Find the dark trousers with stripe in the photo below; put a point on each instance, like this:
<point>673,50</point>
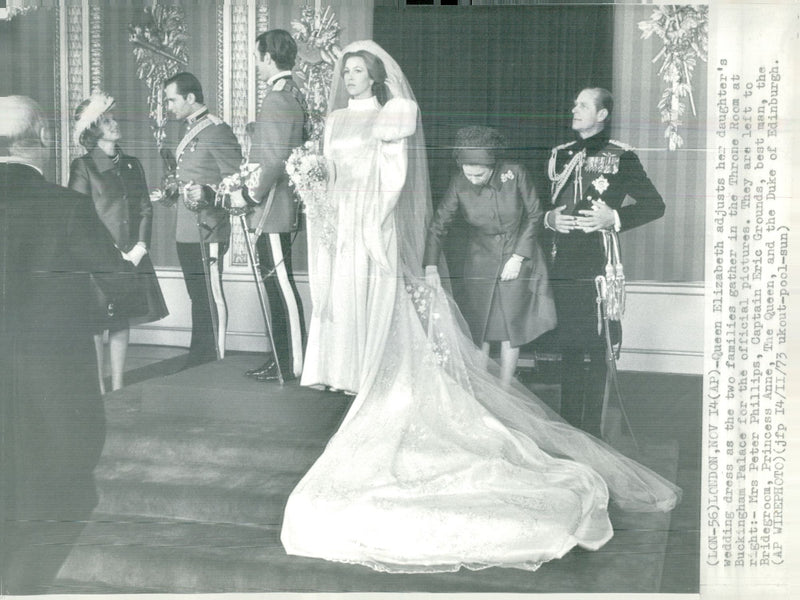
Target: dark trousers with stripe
<point>286,310</point>
<point>202,348</point>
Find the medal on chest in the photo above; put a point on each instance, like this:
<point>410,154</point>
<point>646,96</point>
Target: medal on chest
<point>600,184</point>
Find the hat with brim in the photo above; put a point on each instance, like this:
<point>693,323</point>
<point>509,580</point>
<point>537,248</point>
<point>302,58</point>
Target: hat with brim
<point>478,146</point>
<point>90,110</point>
<point>476,156</point>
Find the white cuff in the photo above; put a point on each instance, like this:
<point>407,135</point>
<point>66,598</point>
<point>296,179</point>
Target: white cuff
<point>546,224</point>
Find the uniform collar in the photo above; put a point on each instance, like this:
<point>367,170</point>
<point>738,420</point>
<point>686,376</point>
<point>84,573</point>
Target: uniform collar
<point>17,160</point>
<point>282,75</point>
<point>196,116</point>
<point>593,143</point>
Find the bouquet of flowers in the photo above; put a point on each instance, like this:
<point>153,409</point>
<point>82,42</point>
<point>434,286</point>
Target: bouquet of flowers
<point>247,177</point>
<point>308,175</point>
<point>169,192</point>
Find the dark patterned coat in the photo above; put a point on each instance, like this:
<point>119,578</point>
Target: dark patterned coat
<point>504,217</point>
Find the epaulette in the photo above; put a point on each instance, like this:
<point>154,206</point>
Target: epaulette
<point>214,119</point>
<point>622,145</point>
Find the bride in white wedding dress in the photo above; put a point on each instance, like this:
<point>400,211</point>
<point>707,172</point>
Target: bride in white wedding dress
<point>436,466</point>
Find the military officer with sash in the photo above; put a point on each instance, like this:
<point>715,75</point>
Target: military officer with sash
<point>279,129</point>
<point>591,177</point>
<point>207,152</point>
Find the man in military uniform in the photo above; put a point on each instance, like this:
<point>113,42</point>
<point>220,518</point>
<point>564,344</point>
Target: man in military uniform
<point>279,129</point>
<point>207,152</point>
<point>591,177</point>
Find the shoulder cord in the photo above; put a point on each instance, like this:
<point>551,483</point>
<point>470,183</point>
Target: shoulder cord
<point>559,180</point>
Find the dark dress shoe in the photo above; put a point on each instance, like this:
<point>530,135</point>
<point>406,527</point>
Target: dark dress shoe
<point>268,373</point>
<point>271,374</point>
<point>262,369</point>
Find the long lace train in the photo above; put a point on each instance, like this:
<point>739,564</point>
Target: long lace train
<point>436,466</point>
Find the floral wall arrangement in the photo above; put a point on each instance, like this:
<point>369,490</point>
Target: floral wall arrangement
<point>684,33</point>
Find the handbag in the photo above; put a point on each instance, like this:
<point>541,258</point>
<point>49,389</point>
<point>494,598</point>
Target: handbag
<point>119,295</point>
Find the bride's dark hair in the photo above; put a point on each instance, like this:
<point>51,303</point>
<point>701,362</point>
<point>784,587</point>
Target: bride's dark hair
<point>377,72</point>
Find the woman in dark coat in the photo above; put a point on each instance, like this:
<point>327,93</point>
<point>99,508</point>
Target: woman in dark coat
<point>507,297</point>
<point>117,185</point>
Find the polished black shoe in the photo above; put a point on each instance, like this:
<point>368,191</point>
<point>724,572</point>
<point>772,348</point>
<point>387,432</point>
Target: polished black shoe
<point>268,373</point>
<point>263,368</point>
<point>271,374</point>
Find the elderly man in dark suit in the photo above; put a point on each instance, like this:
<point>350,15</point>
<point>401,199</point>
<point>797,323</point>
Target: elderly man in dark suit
<point>280,128</point>
<point>591,178</point>
<point>207,152</point>
<point>52,423</point>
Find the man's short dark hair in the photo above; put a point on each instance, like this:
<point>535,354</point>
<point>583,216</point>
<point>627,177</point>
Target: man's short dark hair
<point>185,84</point>
<point>603,99</point>
<point>281,47</point>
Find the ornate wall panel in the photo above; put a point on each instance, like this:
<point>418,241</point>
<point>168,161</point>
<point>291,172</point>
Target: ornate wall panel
<point>223,37</point>
<point>95,47</point>
<point>240,68</point>
<point>73,76</point>
<point>262,24</point>
<point>241,89</point>
<point>59,67</point>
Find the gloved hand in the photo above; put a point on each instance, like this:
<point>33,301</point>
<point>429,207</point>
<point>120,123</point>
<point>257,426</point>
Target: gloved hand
<point>432,276</point>
<point>237,199</point>
<point>135,254</point>
<point>512,268</point>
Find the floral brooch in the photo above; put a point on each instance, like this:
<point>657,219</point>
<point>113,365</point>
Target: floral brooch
<point>507,176</point>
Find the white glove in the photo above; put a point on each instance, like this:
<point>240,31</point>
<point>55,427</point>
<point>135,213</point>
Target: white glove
<point>156,195</point>
<point>136,254</point>
<point>237,200</point>
<point>432,276</point>
<point>512,268</point>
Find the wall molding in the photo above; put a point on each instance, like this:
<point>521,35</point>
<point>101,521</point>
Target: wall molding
<point>663,324</point>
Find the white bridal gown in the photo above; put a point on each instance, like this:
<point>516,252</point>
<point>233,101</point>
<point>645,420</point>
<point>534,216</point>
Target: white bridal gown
<point>353,273</point>
<point>436,466</point>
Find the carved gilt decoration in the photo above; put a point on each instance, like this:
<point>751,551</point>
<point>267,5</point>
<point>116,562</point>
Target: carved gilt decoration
<point>75,55</point>
<point>240,70</point>
<point>262,24</point>
<point>317,36</point>
<point>96,46</point>
<point>159,46</point>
